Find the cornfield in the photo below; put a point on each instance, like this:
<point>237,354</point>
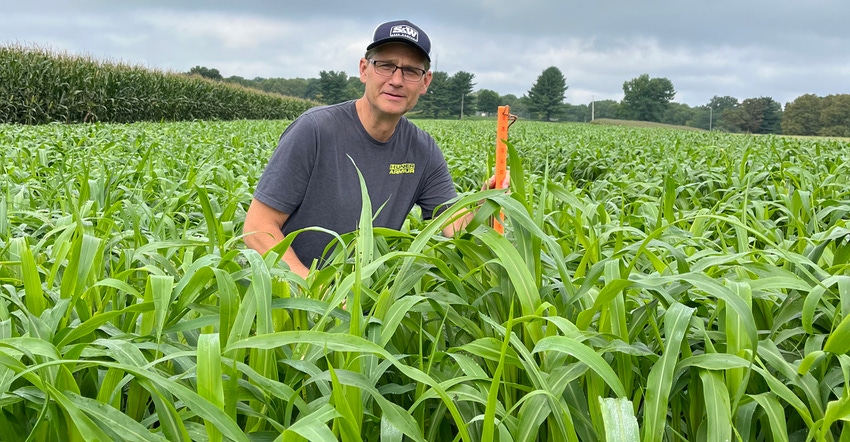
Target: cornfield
<point>652,285</point>
<point>41,86</point>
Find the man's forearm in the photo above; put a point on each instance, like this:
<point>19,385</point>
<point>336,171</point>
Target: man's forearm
<point>262,242</point>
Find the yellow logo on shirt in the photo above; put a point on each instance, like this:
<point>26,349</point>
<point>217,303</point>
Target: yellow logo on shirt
<point>398,169</point>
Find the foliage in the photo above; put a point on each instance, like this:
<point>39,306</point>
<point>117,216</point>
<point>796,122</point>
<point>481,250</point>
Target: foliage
<point>646,98</point>
<point>446,95</point>
<point>802,116</point>
<point>435,102</point>
<point>546,96</point>
<point>679,114</point>
<point>652,284</point>
<point>460,94</point>
<point>291,87</point>
<point>755,115</point>
<point>519,105</point>
<point>488,101</point>
<point>203,71</point>
<point>39,86</point>
<point>576,113</point>
<point>835,116</point>
<point>813,115</point>
<point>606,109</point>
<point>336,87</point>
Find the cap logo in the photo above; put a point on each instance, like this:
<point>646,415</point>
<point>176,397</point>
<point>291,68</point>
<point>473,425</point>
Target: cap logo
<point>404,31</point>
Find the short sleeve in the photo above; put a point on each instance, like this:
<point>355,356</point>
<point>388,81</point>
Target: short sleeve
<point>284,181</point>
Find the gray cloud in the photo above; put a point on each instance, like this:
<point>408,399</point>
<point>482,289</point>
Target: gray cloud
<point>781,48</point>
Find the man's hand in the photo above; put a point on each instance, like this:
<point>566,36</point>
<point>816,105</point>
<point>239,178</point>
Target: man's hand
<point>462,221</point>
<point>491,183</point>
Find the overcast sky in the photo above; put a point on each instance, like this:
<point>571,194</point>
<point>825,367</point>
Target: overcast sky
<point>743,48</point>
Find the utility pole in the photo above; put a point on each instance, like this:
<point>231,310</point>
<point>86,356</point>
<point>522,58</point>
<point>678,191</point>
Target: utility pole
<point>710,116</point>
<point>592,107</point>
<point>461,106</point>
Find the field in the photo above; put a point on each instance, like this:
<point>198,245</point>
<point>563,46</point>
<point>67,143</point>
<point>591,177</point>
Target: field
<point>652,284</point>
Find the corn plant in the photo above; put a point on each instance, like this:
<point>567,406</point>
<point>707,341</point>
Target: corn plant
<point>41,86</point>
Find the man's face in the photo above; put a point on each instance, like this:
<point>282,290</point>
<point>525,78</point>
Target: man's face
<point>393,94</point>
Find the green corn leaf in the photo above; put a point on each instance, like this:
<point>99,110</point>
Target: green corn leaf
<point>120,424</point>
<point>585,355</point>
<point>717,406</point>
<point>619,420</point>
<point>210,385</point>
<point>775,415</point>
<point>660,378</point>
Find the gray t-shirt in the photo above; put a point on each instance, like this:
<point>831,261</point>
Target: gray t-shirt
<point>311,177</point>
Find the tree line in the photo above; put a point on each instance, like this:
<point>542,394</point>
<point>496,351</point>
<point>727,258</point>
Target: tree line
<point>644,99</point>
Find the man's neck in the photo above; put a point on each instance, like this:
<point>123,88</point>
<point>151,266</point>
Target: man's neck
<point>380,126</point>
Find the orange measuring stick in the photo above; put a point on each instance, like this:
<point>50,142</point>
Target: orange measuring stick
<point>501,159</point>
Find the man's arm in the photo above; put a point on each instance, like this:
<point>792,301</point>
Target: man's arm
<point>262,231</point>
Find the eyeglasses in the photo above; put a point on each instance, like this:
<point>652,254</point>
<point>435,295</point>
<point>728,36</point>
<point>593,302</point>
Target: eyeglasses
<point>387,69</point>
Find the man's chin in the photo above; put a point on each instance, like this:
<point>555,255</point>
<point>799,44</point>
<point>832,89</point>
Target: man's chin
<point>393,108</point>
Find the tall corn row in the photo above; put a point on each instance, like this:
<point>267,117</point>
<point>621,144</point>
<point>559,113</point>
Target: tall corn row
<point>40,86</point>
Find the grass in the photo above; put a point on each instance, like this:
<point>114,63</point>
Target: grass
<point>652,284</point>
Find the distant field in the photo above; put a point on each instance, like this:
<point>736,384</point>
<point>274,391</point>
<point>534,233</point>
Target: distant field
<point>653,284</point>
<point>647,124</point>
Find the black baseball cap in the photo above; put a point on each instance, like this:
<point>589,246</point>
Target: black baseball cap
<point>402,31</point>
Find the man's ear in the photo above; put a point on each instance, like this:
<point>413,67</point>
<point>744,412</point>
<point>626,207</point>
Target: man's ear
<point>364,64</point>
<point>426,83</point>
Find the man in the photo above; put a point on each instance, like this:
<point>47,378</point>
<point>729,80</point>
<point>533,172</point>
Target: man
<point>311,178</point>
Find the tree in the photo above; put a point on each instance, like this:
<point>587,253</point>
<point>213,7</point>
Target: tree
<point>211,73</point>
<point>333,87</point>
<point>646,99</point>
<point>435,102</point>
<point>461,100</point>
<point>835,116</point>
<point>803,116</point>
<point>488,101</point>
<point>546,96</point>
<point>578,113</point>
<point>606,109</point>
<point>761,115</point>
<point>715,109</point>
<point>518,105</point>
<point>679,114</point>
<point>355,88</point>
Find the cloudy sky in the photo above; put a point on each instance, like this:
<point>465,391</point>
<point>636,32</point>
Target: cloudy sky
<point>743,48</point>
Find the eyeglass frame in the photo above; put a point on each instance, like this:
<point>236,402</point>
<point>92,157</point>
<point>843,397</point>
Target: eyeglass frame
<point>405,70</point>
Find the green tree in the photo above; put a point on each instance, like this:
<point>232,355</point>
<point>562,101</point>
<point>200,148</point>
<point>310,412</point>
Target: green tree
<point>211,73</point>
<point>679,114</point>
<point>606,109</point>
<point>713,115</point>
<point>835,116</point>
<point>803,116</point>
<point>519,105</point>
<point>761,115</point>
<point>578,113</point>
<point>461,100</point>
<point>333,87</point>
<point>435,102</point>
<point>646,99</point>
<point>355,88</point>
<point>489,101</point>
<point>546,96</point>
